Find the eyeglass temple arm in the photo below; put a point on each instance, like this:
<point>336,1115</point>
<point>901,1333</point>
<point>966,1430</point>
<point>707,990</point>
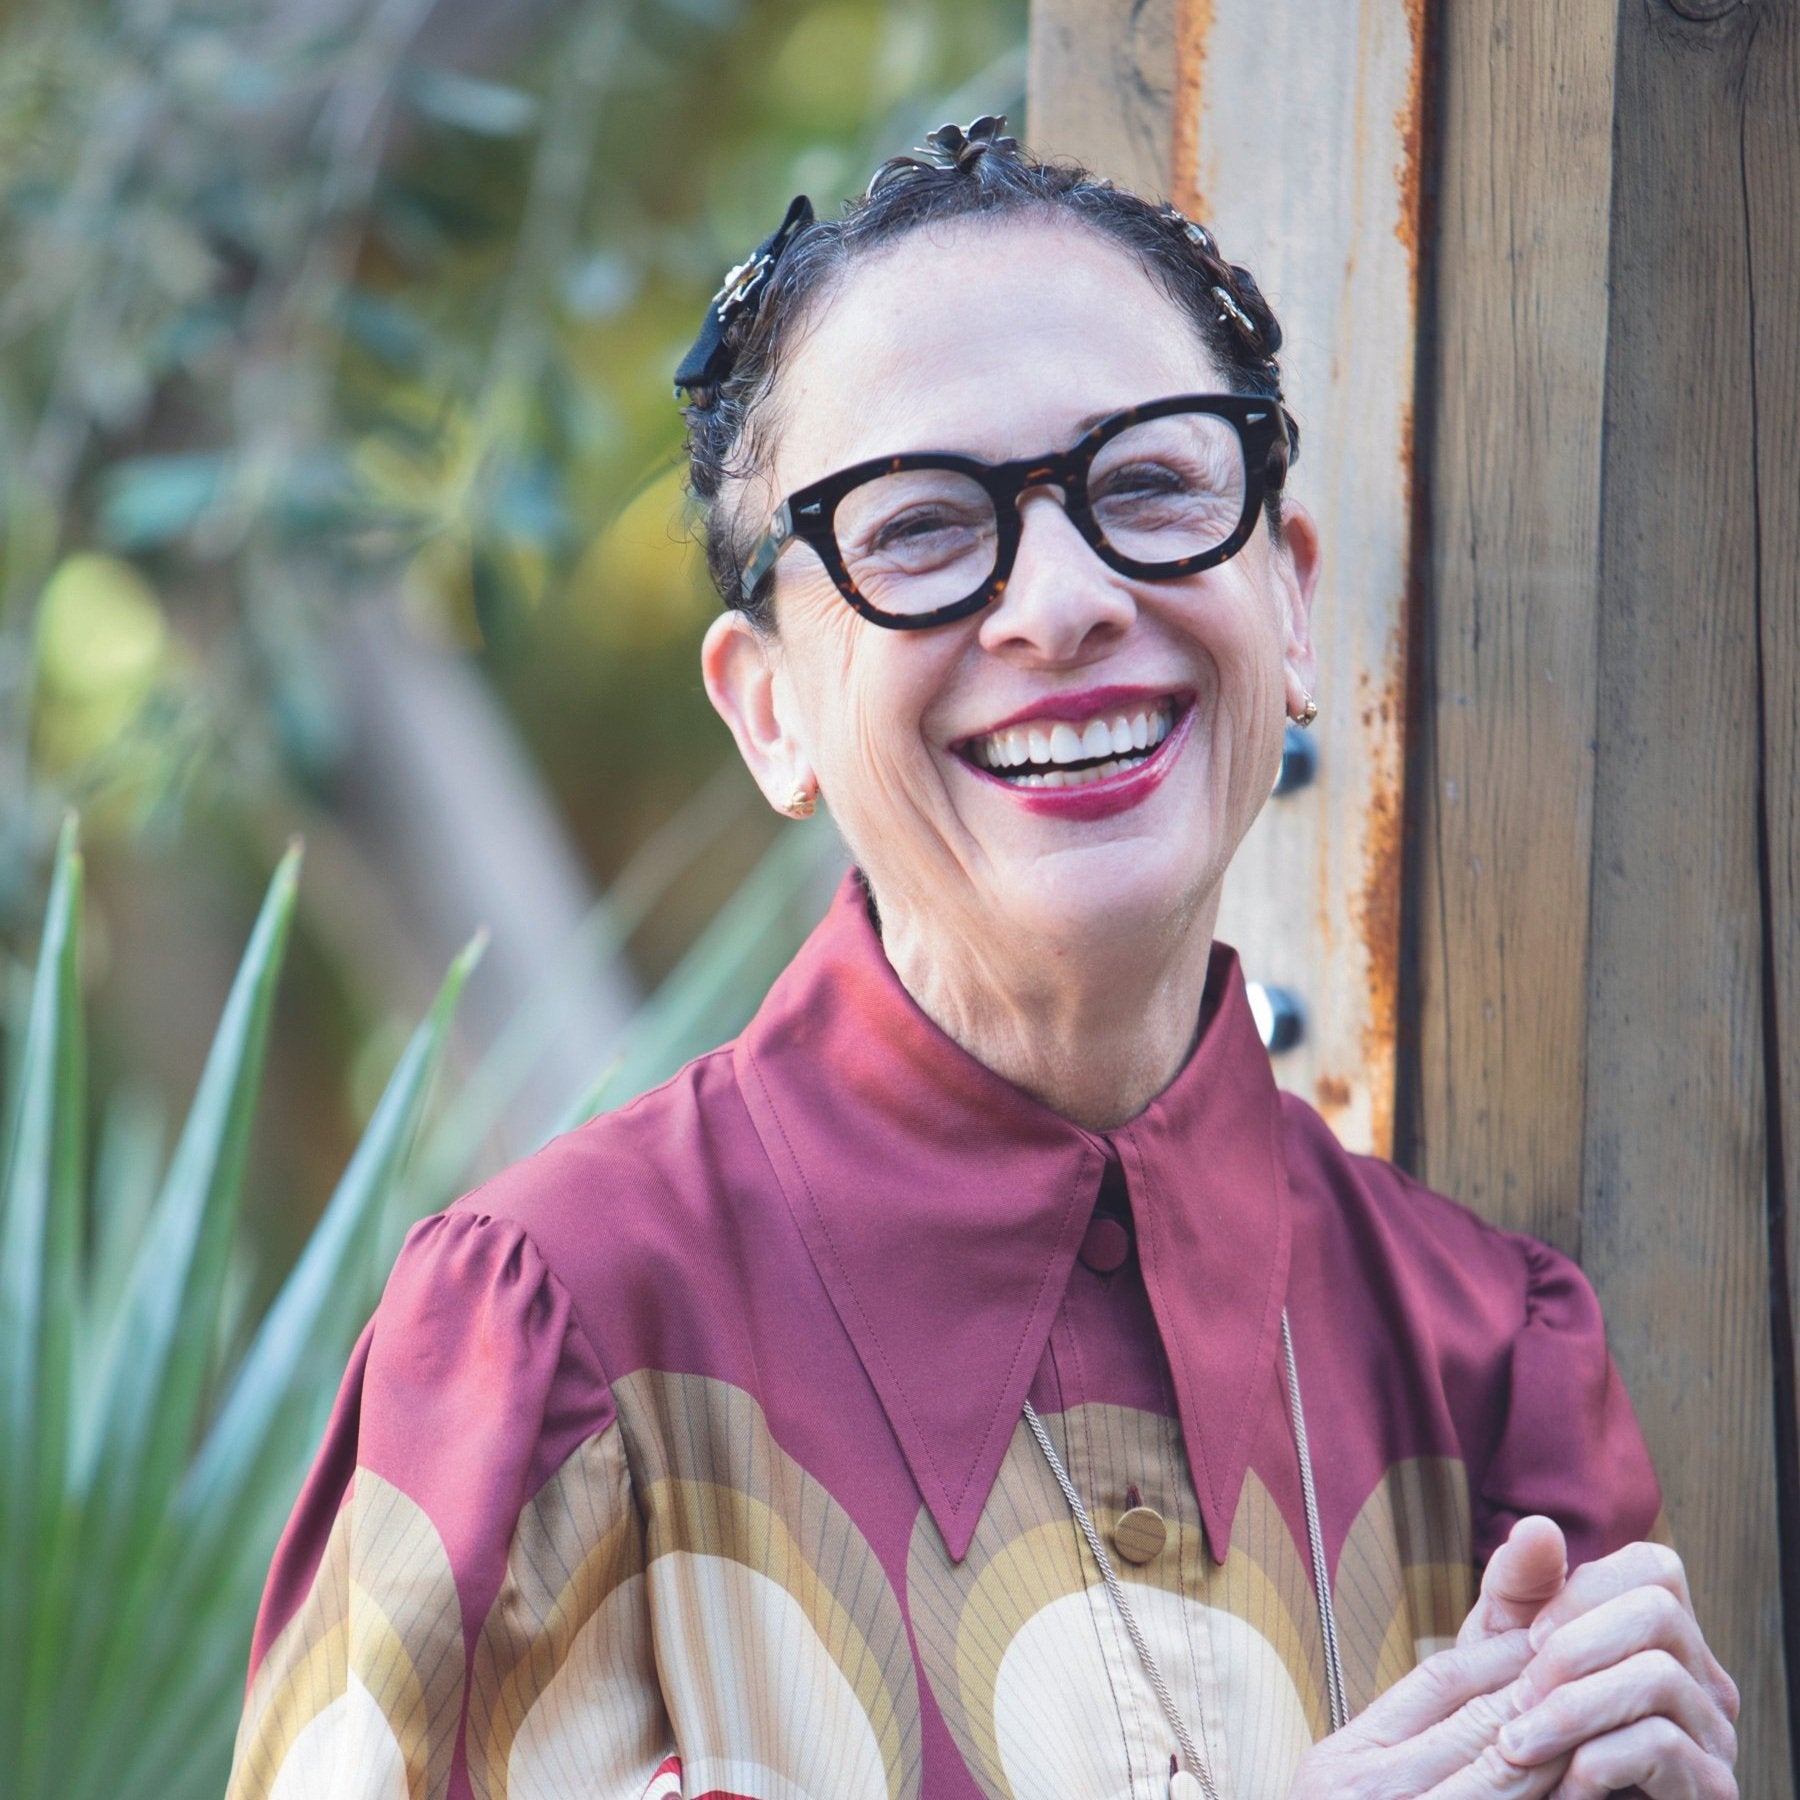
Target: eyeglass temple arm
<point>762,558</point>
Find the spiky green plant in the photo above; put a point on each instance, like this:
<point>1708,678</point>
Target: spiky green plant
<point>141,1483</point>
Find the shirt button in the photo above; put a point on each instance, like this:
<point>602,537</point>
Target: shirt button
<point>1140,1534</point>
<point>1106,1245</point>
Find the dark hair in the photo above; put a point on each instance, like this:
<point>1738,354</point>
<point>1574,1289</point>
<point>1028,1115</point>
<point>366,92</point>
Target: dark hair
<point>958,175</point>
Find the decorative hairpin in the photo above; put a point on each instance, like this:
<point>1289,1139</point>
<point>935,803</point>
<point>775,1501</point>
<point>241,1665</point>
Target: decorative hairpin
<point>1230,312</point>
<point>949,147</point>
<point>709,358</point>
<point>959,148</point>
<point>1196,234</point>
<point>1229,309</point>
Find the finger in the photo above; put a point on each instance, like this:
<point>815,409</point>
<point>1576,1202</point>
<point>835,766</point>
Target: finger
<point>1442,1684</point>
<point>1654,1757</point>
<point>1456,1742</point>
<point>1651,1684</point>
<point>1642,1618</point>
<point>1491,1777</point>
<point>1528,1570</point>
<point>1637,1565</point>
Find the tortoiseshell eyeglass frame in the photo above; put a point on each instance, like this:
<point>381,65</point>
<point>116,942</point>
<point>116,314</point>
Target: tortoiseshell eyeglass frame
<point>808,515</point>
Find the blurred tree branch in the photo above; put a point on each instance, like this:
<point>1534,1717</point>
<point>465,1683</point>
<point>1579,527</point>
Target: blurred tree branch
<point>334,420</point>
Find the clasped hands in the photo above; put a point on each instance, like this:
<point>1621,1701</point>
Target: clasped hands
<point>1568,1686</point>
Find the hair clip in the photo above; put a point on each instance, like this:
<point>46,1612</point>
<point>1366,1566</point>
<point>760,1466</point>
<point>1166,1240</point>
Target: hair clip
<point>709,358</point>
<point>1195,234</point>
<point>959,148</point>
<point>1236,314</point>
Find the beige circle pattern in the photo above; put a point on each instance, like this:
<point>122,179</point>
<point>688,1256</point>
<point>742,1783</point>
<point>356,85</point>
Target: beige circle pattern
<point>365,1682</point>
<point>798,1674</point>
<point>1018,1641</point>
<point>558,1700</point>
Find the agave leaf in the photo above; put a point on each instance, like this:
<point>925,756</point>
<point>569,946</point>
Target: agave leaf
<point>167,1323</point>
<point>327,1293</point>
<point>153,1373</point>
<point>185,1748</point>
<point>213,1556</point>
<point>127,1165</point>
<point>40,1230</point>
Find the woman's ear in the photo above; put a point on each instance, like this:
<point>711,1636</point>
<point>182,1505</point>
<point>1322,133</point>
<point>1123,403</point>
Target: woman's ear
<point>741,667</point>
<point>1297,578</point>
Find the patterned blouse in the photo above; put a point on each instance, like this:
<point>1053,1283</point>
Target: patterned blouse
<point>686,1457</point>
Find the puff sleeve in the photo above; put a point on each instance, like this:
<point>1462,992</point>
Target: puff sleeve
<point>454,1595</point>
<point>1568,1443</point>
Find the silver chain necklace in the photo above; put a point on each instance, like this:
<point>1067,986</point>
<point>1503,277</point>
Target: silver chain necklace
<point>1195,1773</point>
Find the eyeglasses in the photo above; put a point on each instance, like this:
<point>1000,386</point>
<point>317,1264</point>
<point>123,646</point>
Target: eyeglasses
<point>1158,491</point>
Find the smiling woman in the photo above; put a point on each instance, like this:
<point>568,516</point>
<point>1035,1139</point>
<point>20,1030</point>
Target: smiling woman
<point>977,1380</point>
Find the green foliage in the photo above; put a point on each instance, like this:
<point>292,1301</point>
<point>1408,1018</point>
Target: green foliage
<point>141,1481</point>
<point>305,301</point>
<point>146,1465</point>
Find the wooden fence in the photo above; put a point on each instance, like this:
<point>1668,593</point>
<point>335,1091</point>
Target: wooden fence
<point>1540,260</point>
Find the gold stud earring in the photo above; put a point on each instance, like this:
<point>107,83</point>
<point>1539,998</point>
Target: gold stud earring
<point>1309,711</point>
<point>802,802</point>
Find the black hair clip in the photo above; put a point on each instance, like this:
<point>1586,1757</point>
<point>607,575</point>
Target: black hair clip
<point>960,148</point>
<point>709,358</point>
<point>949,147</point>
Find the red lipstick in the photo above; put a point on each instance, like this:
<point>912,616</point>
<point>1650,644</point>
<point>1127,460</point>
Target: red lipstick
<point>1097,799</point>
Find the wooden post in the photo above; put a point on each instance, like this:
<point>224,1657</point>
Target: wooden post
<point>1601,980</point>
<point>1246,98</point>
<point>1605,774</point>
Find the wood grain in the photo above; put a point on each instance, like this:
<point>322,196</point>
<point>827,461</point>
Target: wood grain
<point>1100,78</point>
<point>1674,1225</point>
<point>1329,224</point>
<point>1504,754</point>
<point>1600,1036</point>
<point>1771,171</point>
<point>1190,99</point>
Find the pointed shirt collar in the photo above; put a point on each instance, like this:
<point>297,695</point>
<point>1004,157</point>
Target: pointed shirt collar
<point>943,1208</point>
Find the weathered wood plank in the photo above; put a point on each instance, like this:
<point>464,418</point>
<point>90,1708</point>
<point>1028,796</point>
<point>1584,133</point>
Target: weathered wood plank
<point>1771,165</point>
<point>1224,107</point>
<point>1100,78</point>
<point>1504,754</point>
<point>1674,1227</point>
<point>1297,139</point>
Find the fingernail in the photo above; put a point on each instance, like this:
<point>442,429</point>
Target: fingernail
<point>1517,1741</point>
<point>1541,1628</point>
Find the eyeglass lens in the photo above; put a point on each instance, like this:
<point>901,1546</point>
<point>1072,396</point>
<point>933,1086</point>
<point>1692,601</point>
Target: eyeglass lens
<point>1160,491</point>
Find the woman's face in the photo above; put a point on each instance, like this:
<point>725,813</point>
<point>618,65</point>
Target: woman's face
<point>1001,341</point>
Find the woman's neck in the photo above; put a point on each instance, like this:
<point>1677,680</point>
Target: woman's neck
<point>1094,1030</point>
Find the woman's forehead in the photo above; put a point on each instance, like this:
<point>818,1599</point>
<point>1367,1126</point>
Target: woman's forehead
<point>992,337</point>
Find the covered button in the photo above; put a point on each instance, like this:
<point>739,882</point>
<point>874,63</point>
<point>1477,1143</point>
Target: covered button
<point>1106,1245</point>
<point>1140,1534</point>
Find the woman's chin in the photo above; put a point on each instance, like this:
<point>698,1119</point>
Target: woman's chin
<point>1117,899</point>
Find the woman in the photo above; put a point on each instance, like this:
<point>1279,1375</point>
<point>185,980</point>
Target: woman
<point>955,1386</point>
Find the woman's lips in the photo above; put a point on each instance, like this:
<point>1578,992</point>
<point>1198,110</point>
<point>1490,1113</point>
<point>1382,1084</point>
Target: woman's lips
<point>1099,796</point>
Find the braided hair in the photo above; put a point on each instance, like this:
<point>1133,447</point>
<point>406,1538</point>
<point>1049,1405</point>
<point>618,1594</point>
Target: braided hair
<point>731,373</point>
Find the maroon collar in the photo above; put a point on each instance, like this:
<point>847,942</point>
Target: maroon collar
<point>943,1208</point>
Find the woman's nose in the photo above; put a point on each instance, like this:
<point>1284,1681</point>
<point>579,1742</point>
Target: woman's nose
<point>1060,601</point>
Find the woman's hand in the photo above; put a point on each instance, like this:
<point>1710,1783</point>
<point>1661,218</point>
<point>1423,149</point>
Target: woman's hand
<point>1622,1687</point>
<point>1433,1734</point>
<point>1574,1687</point>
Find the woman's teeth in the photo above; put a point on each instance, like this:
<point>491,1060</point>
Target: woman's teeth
<point>1055,753</point>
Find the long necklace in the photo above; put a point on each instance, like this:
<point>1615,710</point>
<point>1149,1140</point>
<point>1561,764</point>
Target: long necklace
<point>1194,1776</point>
